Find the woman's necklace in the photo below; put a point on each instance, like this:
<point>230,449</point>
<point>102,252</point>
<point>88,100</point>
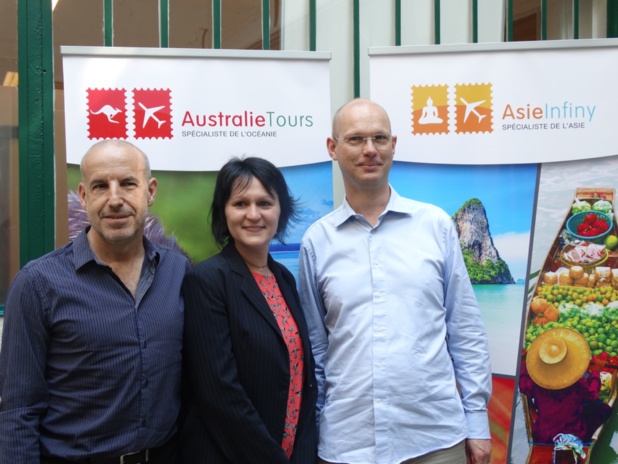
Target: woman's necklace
<point>260,269</point>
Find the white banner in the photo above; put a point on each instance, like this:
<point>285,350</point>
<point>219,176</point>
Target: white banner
<point>505,103</point>
<point>191,110</point>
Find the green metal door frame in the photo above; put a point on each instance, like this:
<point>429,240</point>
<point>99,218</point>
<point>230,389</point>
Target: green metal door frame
<point>36,129</point>
<point>612,19</point>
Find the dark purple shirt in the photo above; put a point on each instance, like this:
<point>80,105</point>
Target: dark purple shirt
<point>86,369</point>
<point>560,411</point>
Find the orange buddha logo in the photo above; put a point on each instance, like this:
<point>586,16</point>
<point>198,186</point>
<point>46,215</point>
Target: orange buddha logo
<point>442,109</point>
<point>430,109</point>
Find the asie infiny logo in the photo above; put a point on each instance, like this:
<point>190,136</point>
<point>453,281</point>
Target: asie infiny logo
<point>443,109</point>
<point>122,113</point>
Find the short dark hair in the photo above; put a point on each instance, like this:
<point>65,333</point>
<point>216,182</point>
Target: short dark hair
<point>239,172</point>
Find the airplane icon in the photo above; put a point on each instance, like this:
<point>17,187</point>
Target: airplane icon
<point>150,113</point>
<point>471,108</point>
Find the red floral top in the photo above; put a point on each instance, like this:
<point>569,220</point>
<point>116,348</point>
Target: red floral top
<point>289,330</point>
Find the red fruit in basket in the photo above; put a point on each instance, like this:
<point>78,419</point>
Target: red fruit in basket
<point>592,225</point>
<point>601,225</point>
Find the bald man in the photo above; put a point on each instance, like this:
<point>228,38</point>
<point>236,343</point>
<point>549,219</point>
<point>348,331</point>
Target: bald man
<point>400,349</point>
<point>90,364</point>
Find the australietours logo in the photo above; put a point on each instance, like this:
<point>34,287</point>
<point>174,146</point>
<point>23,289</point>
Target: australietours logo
<point>243,123</point>
<point>147,114</point>
<point>129,113</point>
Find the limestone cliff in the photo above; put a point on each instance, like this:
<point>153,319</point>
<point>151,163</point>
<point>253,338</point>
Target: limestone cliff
<point>482,259</point>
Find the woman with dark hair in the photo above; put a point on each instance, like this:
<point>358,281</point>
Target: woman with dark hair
<point>251,388</point>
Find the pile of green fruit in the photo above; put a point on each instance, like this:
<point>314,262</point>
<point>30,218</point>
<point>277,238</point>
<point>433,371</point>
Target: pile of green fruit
<point>579,296</point>
<point>593,312</point>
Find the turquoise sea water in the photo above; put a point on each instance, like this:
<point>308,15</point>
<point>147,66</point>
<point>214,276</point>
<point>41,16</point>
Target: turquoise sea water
<point>502,308</point>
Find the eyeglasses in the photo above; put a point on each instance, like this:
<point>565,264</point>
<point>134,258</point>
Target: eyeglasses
<point>378,140</point>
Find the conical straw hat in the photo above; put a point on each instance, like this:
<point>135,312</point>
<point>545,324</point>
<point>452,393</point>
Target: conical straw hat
<point>558,358</point>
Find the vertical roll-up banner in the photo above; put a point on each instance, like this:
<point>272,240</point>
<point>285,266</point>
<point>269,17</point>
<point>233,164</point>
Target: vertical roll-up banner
<point>192,110</point>
<point>518,142</point>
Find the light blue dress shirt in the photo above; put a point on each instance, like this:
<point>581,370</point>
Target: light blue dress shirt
<point>395,329</point>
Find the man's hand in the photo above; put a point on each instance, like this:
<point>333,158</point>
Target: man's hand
<point>478,451</point>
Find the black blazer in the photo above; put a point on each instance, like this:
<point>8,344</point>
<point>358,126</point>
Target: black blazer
<point>237,368</point>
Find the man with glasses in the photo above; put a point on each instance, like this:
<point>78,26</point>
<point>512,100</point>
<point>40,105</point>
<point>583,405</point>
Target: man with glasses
<point>400,348</point>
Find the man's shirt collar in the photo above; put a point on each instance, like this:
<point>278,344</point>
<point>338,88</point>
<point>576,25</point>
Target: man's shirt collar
<point>395,205</point>
<point>83,254</point>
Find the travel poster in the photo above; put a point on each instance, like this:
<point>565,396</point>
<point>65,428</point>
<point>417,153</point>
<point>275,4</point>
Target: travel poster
<point>191,111</point>
<point>500,136</point>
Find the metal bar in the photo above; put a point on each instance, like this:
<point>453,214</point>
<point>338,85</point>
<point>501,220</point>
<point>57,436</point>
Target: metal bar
<point>398,22</point>
<point>509,21</point>
<point>164,24</point>
<point>356,16</point>
<point>193,52</point>
<point>475,21</point>
<point>612,19</point>
<point>543,19</point>
<point>312,26</point>
<point>216,22</point>
<point>576,19</point>
<point>265,24</point>
<point>436,21</point>
<point>108,22</point>
<point>36,130</point>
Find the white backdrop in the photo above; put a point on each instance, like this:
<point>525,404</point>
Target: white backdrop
<point>190,110</point>
<point>537,102</point>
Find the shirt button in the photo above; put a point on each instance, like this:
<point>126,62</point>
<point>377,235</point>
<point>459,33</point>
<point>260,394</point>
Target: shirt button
<point>379,365</point>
